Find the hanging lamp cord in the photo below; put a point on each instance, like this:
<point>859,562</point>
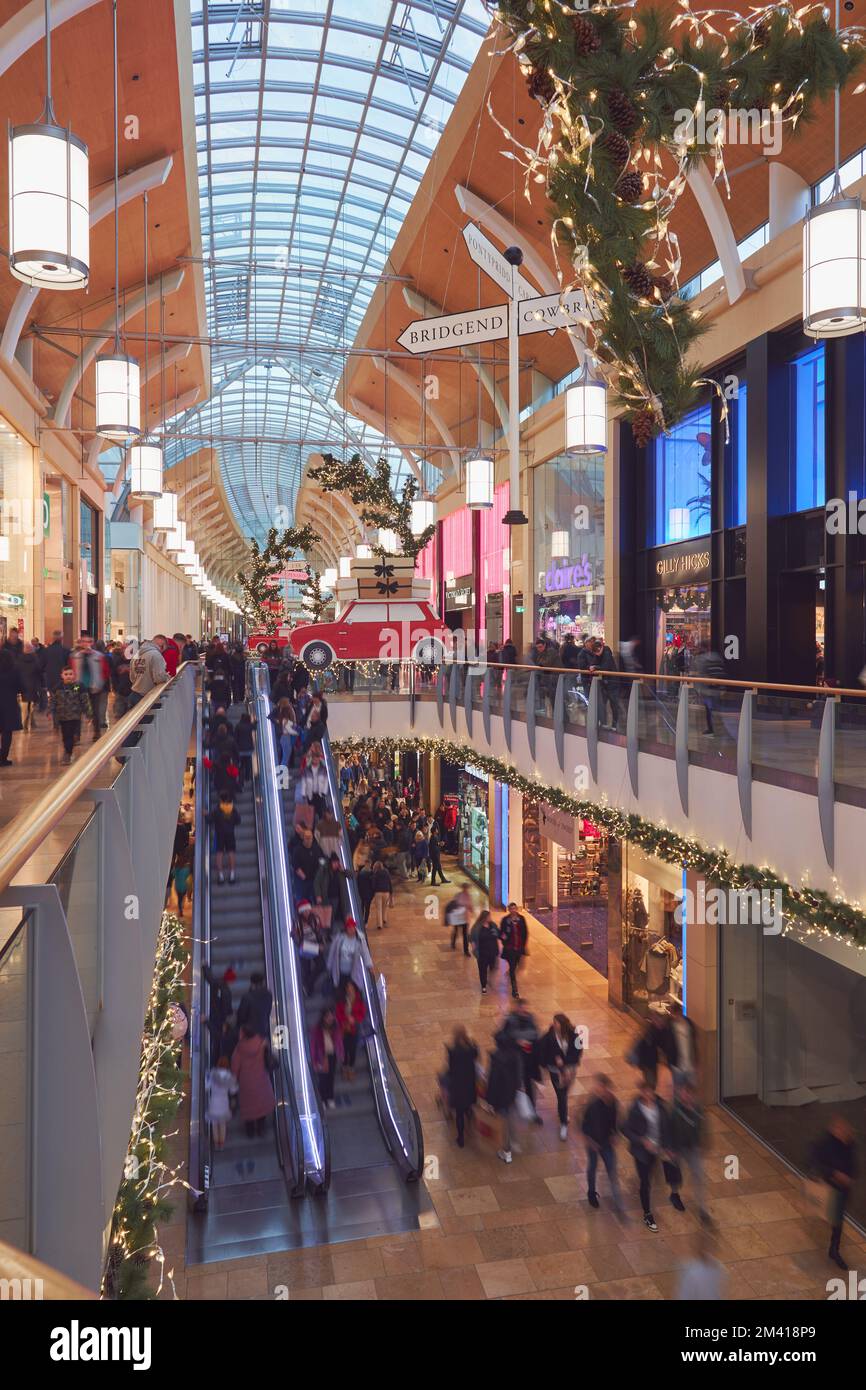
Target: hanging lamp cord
<point>116,192</point>
<point>50,118</point>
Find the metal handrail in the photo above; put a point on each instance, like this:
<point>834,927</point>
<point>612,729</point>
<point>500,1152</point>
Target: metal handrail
<point>820,691</point>
<point>200,1157</point>
<point>290,1140</point>
<point>23,836</point>
<point>412,1165</point>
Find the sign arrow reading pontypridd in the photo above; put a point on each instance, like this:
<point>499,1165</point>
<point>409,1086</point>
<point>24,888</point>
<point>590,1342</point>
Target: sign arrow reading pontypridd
<point>485,255</point>
<point>456,330</point>
<point>551,311</point>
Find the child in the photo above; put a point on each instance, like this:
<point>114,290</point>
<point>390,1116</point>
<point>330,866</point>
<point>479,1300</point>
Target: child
<point>220,1085</point>
<point>182,880</point>
<point>70,704</point>
<point>225,819</point>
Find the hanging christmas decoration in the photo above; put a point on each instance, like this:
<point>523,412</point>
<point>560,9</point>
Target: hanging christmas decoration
<point>262,570</point>
<point>314,600</point>
<point>631,101</point>
<point>373,494</point>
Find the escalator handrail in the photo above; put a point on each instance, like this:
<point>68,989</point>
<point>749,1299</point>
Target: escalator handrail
<point>290,1140</point>
<point>317,1160</point>
<point>412,1166</point>
<point>200,1155</point>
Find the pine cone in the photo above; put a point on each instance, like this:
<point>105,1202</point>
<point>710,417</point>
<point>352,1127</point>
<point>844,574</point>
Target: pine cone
<point>630,187</point>
<point>720,97</point>
<point>643,427</point>
<point>541,85</point>
<point>586,37</point>
<point>638,279</point>
<point>623,112</point>
<point>617,148</point>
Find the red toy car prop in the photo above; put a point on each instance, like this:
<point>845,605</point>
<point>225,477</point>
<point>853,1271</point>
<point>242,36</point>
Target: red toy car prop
<point>259,642</point>
<point>374,630</point>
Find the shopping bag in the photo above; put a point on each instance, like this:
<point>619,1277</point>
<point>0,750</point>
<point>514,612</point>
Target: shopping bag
<point>489,1126</point>
<point>524,1107</point>
<point>819,1195</point>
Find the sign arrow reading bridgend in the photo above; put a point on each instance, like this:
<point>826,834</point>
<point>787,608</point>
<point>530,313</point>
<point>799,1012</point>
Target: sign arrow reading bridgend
<point>456,330</point>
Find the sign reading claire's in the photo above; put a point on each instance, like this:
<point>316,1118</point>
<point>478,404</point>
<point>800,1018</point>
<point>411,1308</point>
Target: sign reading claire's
<point>677,565</point>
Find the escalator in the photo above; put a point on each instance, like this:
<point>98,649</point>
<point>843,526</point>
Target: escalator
<point>244,1202</point>
<point>376,1144</point>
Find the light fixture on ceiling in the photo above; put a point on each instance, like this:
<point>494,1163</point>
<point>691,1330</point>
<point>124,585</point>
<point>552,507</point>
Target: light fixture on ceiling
<point>4,550</point>
<point>559,545</point>
<point>49,212</point>
<point>479,484</point>
<point>834,257</point>
<point>145,458</point>
<point>586,415</point>
<point>175,541</point>
<point>165,512</point>
<point>363,551</point>
<point>388,540</point>
<point>423,515</point>
<point>345,566</point>
<point>118,379</point>
<point>329,579</point>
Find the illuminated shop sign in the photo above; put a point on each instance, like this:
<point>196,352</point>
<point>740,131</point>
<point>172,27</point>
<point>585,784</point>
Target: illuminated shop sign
<point>12,600</point>
<point>570,576</point>
<point>683,566</point>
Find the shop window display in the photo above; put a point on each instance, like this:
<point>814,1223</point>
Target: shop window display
<point>683,626</point>
<point>652,947</point>
<point>473,828</point>
<point>680,468</point>
<point>21,533</point>
<point>566,885</point>
<point>569,546</point>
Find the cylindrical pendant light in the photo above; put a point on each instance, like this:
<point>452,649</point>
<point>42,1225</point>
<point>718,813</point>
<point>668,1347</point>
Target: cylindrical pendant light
<point>145,471</point>
<point>165,512</point>
<point>479,483</point>
<point>423,515</point>
<point>175,541</point>
<point>363,552</point>
<point>834,256</point>
<point>4,549</point>
<point>345,566</point>
<point>388,540</point>
<point>188,558</point>
<point>49,212</point>
<point>559,545</point>
<point>118,379</point>
<point>586,415</point>
<point>329,578</point>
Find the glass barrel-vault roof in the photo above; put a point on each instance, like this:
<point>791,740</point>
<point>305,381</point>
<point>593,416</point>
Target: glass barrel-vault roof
<point>315,121</point>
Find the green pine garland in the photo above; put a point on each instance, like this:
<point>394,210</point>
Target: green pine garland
<point>314,600</point>
<point>141,1203</point>
<point>264,566</point>
<point>373,493</point>
<point>614,83</point>
<point>807,911</point>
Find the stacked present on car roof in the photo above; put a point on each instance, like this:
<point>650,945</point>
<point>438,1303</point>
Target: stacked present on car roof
<point>381,579</point>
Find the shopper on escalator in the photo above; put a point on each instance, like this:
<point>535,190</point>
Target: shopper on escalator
<point>225,820</point>
<point>313,784</point>
<point>251,1065</point>
<point>326,1050</point>
<point>351,1012</point>
<point>348,955</point>
<point>219,690</point>
<point>254,1010</point>
<point>237,673</point>
<point>306,855</point>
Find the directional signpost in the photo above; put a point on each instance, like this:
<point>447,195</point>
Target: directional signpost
<point>526,312</point>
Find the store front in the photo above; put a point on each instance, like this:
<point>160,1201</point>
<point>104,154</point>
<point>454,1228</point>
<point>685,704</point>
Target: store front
<point>680,605</point>
<point>21,535</point>
<point>565,879</point>
<point>473,828</point>
<point>648,916</point>
<point>568,542</point>
<point>792,1025</point>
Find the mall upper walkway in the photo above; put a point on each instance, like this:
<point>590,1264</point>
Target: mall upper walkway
<point>780,782</point>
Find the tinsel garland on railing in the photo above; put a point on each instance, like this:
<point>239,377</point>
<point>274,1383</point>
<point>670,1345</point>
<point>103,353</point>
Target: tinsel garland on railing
<point>631,100</point>
<point>807,911</point>
<point>135,1255</point>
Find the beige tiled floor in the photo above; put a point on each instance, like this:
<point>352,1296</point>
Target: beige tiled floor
<point>526,1231</point>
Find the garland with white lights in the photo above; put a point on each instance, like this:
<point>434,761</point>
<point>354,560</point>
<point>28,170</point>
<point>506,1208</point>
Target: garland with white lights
<point>631,101</point>
<point>807,911</point>
<point>141,1204</point>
